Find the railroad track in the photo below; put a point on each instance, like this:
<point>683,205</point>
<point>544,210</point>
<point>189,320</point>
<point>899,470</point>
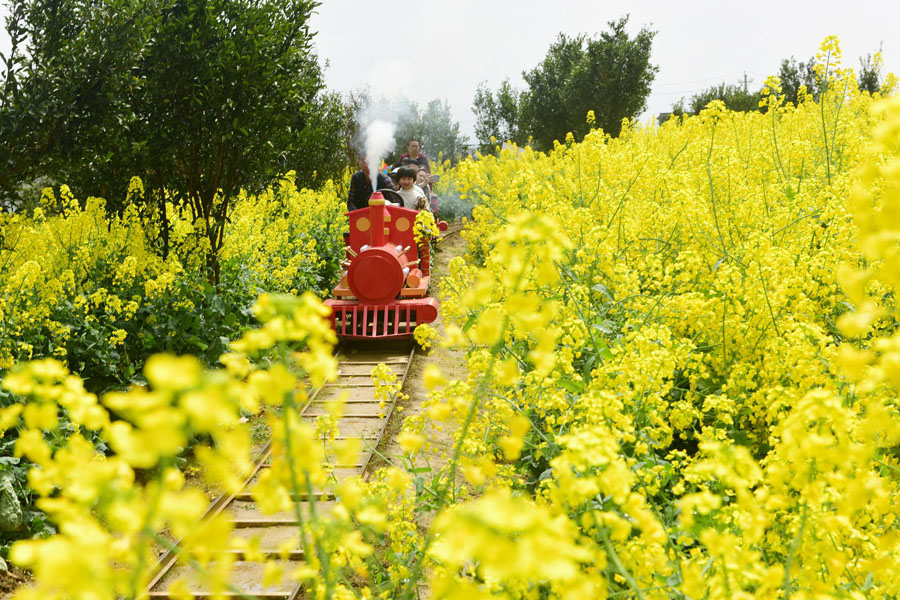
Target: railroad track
<point>361,419</point>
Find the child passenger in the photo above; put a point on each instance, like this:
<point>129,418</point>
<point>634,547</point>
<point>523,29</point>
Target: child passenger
<point>409,191</point>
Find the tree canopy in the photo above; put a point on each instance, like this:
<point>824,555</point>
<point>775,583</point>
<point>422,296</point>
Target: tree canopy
<point>734,96</point>
<point>793,75</point>
<point>433,127</point>
<point>496,114</point>
<point>67,86</point>
<point>609,74</point>
<point>870,78</point>
<point>198,97</point>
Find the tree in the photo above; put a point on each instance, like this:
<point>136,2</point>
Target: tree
<point>226,87</point>
<point>198,97</point>
<point>439,134</point>
<point>610,75</point>
<point>487,116</point>
<point>354,104</point>
<point>66,90</point>
<point>405,114</point>
<point>795,74</point>
<point>496,115</point>
<point>319,153</point>
<point>435,129</point>
<point>11,163</point>
<point>733,95</point>
<point>870,73</point>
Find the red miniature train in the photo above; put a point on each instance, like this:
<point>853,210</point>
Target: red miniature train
<point>384,291</point>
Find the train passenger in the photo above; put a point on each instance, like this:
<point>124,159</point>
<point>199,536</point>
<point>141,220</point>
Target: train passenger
<point>361,185</point>
<point>409,191</point>
<point>405,161</point>
<point>395,180</point>
<point>413,153</point>
<point>422,181</point>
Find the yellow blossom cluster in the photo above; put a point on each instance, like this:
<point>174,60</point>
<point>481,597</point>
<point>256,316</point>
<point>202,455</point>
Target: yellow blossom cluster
<point>113,509</point>
<point>683,371</point>
<point>90,288</point>
<point>77,265</point>
<point>425,228</point>
<point>681,345</point>
<point>286,239</point>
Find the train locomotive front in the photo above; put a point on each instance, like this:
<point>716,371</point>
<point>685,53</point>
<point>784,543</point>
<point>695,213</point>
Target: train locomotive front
<point>384,291</point>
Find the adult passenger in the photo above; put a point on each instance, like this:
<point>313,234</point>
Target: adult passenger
<point>419,157</point>
<point>423,180</point>
<point>361,185</point>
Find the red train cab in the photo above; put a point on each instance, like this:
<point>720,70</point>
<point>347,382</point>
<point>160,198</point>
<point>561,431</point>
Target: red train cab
<point>383,293</point>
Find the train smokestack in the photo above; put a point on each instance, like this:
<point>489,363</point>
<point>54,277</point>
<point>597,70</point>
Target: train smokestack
<point>376,218</point>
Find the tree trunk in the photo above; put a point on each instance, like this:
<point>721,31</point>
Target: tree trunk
<point>163,221</point>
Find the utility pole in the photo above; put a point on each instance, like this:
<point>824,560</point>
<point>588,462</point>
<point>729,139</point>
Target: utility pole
<point>745,82</point>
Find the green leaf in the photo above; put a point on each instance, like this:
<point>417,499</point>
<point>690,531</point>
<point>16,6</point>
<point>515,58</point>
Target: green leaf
<point>599,287</point>
<point>606,326</point>
<point>576,387</point>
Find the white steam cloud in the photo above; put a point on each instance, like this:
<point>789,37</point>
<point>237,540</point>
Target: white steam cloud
<point>379,141</point>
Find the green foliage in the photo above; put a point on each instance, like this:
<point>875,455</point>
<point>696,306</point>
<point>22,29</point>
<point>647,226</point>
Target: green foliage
<point>317,153</point>
<point>869,78</point>
<point>14,473</point>
<point>610,74</point>
<point>497,115</point>
<point>795,74</point>
<point>197,97</point>
<point>434,126</point>
<point>438,132</point>
<point>66,90</point>
<point>226,87</point>
<point>355,103</point>
<point>452,208</point>
<point>733,95</point>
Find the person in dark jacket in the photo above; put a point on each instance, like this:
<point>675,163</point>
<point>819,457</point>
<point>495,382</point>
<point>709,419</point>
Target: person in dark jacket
<point>361,185</point>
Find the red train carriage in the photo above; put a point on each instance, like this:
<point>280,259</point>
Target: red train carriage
<point>384,291</point>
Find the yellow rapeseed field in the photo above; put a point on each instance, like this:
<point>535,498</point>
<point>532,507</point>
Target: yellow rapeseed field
<point>83,285</point>
<point>682,359</point>
<point>683,375</point>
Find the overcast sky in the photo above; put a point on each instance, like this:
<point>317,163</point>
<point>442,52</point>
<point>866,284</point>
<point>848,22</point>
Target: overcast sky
<point>444,48</point>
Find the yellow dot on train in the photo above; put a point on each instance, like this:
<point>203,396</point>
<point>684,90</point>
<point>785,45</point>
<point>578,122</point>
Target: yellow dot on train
<point>362,224</point>
<point>402,224</point>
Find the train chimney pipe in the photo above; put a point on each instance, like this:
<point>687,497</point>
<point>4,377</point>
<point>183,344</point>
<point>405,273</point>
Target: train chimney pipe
<point>376,218</point>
